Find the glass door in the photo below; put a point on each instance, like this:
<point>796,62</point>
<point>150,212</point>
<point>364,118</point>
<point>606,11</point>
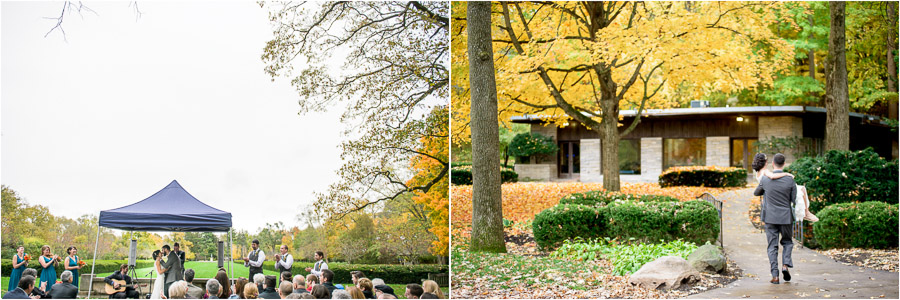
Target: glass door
<point>569,159</point>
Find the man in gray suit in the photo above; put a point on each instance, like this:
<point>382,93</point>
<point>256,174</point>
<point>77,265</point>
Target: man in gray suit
<point>778,195</point>
<point>172,268</point>
<point>64,290</point>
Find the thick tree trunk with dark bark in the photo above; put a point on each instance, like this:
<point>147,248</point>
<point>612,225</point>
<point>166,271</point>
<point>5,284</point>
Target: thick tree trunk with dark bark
<point>487,209</point>
<point>837,97</point>
<point>609,133</point>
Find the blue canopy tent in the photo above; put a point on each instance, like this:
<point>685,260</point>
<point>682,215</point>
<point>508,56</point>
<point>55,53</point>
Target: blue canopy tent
<point>169,209</point>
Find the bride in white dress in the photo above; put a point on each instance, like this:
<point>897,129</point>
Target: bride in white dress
<point>160,282</point>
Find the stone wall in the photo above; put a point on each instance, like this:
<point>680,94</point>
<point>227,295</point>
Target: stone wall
<point>651,158</point>
<point>782,126</point>
<point>590,160</point>
<point>718,151</point>
<point>542,172</point>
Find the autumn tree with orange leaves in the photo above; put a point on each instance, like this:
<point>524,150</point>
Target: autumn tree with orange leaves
<point>585,61</point>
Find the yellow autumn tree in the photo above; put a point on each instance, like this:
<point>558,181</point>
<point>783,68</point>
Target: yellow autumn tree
<point>429,162</point>
<point>586,60</point>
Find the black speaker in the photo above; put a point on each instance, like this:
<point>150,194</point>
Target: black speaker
<point>221,256</point>
<point>132,252</point>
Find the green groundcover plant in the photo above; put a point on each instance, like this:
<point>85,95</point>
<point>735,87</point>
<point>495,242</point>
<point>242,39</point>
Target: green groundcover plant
<point>626,257</point>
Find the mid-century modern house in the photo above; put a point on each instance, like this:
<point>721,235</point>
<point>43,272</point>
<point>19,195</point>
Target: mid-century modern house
<point>711,136</point>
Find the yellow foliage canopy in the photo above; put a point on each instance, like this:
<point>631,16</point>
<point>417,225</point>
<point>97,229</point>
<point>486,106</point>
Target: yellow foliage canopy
<point>652,50</point>
<point>436,200</point>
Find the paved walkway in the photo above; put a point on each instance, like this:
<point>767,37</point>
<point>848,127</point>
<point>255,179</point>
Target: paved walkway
<point>814,275</point>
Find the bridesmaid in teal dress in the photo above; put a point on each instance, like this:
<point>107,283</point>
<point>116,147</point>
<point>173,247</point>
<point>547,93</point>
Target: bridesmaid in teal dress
<point>19,265</point>
<point>72,264</point>
<point>48,263</point>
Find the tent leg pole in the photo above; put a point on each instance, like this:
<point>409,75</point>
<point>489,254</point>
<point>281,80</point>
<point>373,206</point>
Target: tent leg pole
<point>230,249</point>
<point>94,262</point>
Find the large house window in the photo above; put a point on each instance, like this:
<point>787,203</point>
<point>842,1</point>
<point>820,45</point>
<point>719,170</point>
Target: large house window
<point>684,152</point>
<point>742,152</point>
<point>630,156</point>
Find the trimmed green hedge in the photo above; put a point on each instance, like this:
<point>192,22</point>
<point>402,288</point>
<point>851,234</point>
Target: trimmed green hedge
<point>846,176</point>
<point>595,198</point>
<point>102,266</point>
<point>862,225</point>
<point>399,274</point>
<point>694,221</point>
<point>462,175</point>
<point>703,176</point>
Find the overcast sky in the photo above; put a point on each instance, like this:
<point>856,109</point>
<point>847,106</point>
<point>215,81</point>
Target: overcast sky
<point>126,106</point>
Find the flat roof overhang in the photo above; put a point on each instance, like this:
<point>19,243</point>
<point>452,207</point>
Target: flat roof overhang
<point>742,110</point>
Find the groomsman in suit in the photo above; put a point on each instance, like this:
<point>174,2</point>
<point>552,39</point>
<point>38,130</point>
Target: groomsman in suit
<point>180,254</point>
<point>320,264</point>
<point>255,260</point>
<point>283,260</point>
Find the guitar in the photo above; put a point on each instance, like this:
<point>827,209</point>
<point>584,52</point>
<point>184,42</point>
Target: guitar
<point>110,289</point>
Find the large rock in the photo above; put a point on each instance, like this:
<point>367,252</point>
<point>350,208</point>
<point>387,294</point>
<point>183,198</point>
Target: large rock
<point>667,272</point>
<point>707,258</point>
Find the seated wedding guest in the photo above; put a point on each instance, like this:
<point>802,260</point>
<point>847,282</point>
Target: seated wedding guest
<point>212,289</point>
<point>178,290</point>
<point>327,280</point>
<point>48,273</point>
<point>429,296</point>
<point>340,294</point>
<point>286,288</point>
<point>192,290</point>
<point>36,291</point>
<point>250,291</point>
<point>239,288</point>
<point>224,284</point>
<point>294,296</point>
<point>258,279</point>
<point>299,284</point>
<point>307,296</point>
<point>71,264</point>
<point>64,290</point>
<point>365,285</point>
<point>321,292</point>
<point>387,296</point>
<point>384,288</point>
<point>285,277</point>
<point>311,281</point>
<point>268,291</point>
<point>23,290</point>
<point>355,293</point>
<point>356,275</point>
<point>377,282</point>
<point>431,286</point>
<point>19,263</point>
<point>121,275</point>
<point>413,291</point>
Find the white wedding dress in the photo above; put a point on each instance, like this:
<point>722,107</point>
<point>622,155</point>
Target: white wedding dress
<point>159,284</point>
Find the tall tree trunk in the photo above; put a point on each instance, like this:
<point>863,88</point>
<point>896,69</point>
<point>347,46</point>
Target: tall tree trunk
<point>891,66</point>
<point>487,208</point>
<point>609,136</point>
<point>812,51</point>
<point>837,97</point>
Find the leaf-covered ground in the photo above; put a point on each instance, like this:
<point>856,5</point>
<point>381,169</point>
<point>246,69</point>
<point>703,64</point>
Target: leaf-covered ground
<point>885,260</point>
<point>525,273</point>
<point>523,200</point>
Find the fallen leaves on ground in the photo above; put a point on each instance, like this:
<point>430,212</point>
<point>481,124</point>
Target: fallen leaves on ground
<point>525,273</point>
<point>523,200</point>
<point>885,260</point>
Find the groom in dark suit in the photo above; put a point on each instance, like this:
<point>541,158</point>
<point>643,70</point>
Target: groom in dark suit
<point>172,268</point>
<point>778,196</point>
